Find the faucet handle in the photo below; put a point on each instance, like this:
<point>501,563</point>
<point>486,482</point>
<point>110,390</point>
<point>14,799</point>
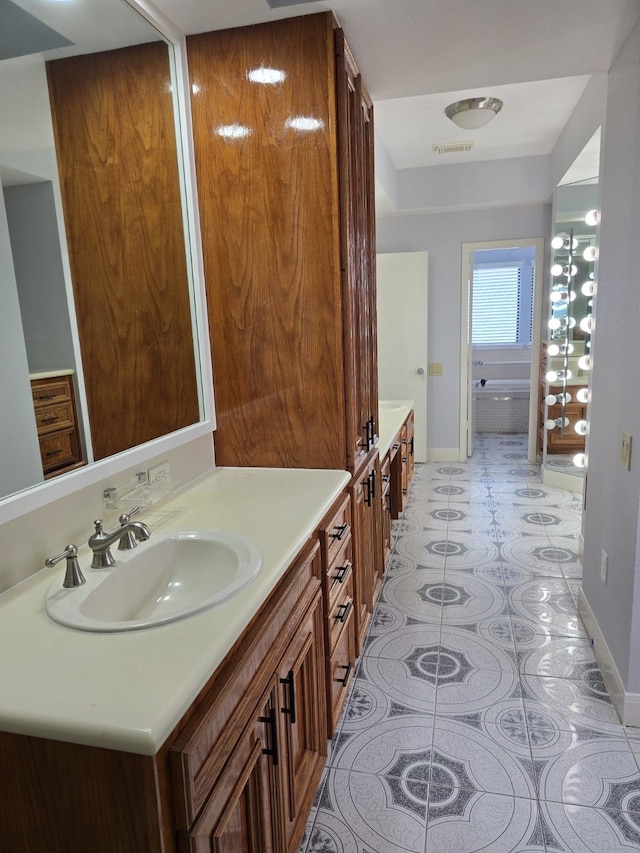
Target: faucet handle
<point>127,541</point>
<point>73,576</point>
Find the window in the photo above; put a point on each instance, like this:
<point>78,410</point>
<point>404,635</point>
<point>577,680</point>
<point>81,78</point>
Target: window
<point>502,304</point>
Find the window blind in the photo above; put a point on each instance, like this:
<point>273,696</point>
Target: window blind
<point>501,307</point>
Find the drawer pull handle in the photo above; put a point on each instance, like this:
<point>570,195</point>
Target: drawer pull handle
<point>50,420</point>
<point>345,608</point>
<point>396,446</point>
<point>46,396</point>
<point>54,452</point>
<point>273,724</point>
<point>342,572</point>
<point>291,681</point>
<point>344,681</point>
<point>386,478</point>
<point>340,530</point>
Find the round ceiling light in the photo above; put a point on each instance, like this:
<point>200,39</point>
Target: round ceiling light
<point>473,113</point>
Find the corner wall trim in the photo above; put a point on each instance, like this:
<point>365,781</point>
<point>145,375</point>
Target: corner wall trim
<point>627,705</point>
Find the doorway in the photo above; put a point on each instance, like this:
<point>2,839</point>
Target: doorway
<point>501,356</point>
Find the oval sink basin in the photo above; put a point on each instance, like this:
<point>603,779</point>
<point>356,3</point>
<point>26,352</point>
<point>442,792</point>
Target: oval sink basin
<point>390,405</point>
<point>172,576</point>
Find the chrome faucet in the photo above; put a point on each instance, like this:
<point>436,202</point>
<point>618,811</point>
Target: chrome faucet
<point>101,542</point>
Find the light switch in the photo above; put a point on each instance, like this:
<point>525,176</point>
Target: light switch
<point>435,368</point>
<point>625,449</point>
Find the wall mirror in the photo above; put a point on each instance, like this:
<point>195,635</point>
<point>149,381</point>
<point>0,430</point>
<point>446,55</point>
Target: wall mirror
<point>96,282</point>
<point>572,289</point>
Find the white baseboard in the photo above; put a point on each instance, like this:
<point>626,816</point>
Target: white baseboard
<point>443,454</point>
<point>562,481</point>
<point>626,704</point>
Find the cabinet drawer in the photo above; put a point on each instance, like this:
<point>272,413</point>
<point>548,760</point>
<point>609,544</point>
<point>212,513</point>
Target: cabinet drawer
<point>60,448</point>
<point>341,608</point>
<point>48,392</point>
<point>335,531</point>
<point>338,571</point>
<point>50,418</point>
<point>340,669</point>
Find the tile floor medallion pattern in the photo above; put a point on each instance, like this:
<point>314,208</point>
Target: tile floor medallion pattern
<point>478,719</point>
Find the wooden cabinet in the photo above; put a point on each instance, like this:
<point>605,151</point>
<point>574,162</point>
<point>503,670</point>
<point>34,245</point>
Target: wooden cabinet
<point>57,424</point>
<point>238,774</point>
<point>339,601</point>
<point>367,544</point>
<point>290,276</point>
<point>385,475</point>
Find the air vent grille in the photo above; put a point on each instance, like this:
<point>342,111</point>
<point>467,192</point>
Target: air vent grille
<point>453,147</point>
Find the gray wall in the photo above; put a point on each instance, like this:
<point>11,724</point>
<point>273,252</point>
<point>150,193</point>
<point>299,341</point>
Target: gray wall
<point>20,457</point>
<point>612,498</point>
<point>35,245</point>
<point>442,235</point>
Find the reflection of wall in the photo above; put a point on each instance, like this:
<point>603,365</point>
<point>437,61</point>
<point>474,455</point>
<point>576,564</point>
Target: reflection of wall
<point>35,246</point>
<point>20,467</point>
<point>117,158</point>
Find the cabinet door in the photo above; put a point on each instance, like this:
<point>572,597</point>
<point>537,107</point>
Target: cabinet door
<point>358,415</point>
<point>410,444</point>
<point>363,551</point>
<point>243,811</point>
<point>303,722</point>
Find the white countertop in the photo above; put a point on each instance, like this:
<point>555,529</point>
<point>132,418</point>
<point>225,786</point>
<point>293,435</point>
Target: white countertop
<point>50,374</point>
<point>128,691</point>
<point>391,415</point>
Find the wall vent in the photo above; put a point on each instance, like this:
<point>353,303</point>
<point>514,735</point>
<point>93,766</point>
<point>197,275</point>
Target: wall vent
<point>453,147</point>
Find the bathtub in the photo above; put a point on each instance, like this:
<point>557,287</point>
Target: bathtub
<point>502,405</point>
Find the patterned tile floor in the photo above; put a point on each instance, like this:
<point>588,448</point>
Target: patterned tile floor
<point>478,719</point>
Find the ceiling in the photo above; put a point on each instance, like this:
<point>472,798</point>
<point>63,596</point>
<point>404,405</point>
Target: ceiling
<point>417,56</point>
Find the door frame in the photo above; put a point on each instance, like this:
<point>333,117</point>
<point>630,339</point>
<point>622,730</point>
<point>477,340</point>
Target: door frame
<point>466,279</point>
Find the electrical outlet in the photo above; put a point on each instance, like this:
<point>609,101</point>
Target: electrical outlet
<point>625,449</point>
<point>160,474</point>
<point>604,566</point>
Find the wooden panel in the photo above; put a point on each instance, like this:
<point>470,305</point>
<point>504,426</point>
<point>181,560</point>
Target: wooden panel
<point>61,797</point>
<point>59,449</point>
<point>267,185</point>
<point>340,670</point>
<point>117,159</point>
<point>48,392</point>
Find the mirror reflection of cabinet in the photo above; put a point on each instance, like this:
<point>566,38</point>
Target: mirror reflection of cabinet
<point>118,164</point>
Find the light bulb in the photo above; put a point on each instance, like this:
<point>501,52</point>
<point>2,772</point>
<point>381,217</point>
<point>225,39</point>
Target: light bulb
<point>587,344</point>
<point>592,217</point>
<point>583,395</point>
<point>560,349</point>
<point>551,399</point>
<point>580,460</point>
<point>551,376</point>
<point>584,362</point>
<point>564,374</point>
<point>558,241</point>
<point>558,295</point>
<point>555,323</point>
<point>572,295</point>
<point>589,288</point>
<point>570,270</point>
<point>553,349</point>
<point>550,424</point>
<point>586,324</point>
<point>581,427</point>
<point>556,269</point>
<point>571,322</point>
<point>590,253</point>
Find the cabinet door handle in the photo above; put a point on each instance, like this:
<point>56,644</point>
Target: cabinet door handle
<point>345,608</point>
<point>340,530</point>
<point>367,485</point>
<point>396,446</point>
<point>272,719</point>
<point>344,681</point>
<point>342,573</point>
<point>46,396</point>
<point>372,477</point>
<point>50,420</point>
<point>291,681</point>
<point>54,452</point>
<point>411,447</point>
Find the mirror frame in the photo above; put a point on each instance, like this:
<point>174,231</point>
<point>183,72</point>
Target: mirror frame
<point>30,499</point>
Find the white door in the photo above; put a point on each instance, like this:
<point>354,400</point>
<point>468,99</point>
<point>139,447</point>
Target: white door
<point>402,336</point>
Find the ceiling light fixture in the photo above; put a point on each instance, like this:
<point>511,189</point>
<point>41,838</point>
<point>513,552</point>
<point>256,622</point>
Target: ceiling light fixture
<point>473,113</point>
